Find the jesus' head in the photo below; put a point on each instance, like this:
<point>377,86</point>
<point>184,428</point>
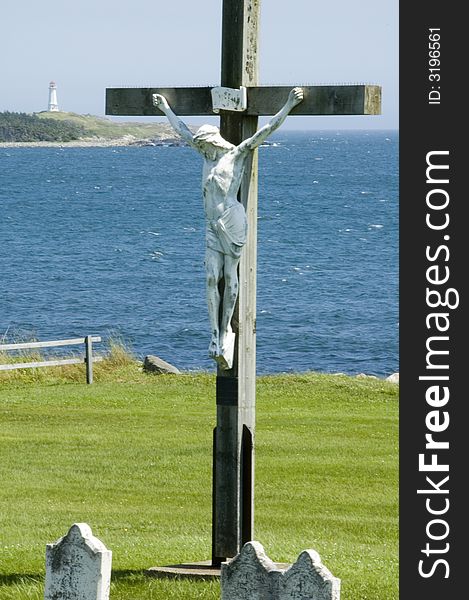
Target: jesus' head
<point>209,136</point>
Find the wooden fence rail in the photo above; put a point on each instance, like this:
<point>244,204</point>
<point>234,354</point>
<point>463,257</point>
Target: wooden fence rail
<point>88,359</point>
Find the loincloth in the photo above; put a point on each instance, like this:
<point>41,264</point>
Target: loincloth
<point>227,234</point>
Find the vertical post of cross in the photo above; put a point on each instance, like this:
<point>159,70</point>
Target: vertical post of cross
<point>233,477</point>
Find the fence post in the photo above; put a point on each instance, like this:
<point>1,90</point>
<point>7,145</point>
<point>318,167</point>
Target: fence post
<point>89,358</point>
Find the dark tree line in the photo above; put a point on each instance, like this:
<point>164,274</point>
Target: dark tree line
<point>21,127</point>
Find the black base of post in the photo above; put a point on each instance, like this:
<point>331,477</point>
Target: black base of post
<point>226,499</point>
<point>216,560</point>
<point>227,391</point>
<point>247,447</point>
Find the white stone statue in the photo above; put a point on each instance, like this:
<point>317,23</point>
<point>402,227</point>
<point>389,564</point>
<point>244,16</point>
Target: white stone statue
<point>225,217</point>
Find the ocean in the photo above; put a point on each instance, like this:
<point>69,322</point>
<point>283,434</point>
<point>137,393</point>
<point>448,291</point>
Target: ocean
<point>110,242</point>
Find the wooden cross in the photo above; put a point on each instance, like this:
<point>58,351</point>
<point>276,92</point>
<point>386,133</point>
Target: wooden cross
<point>233,454</point>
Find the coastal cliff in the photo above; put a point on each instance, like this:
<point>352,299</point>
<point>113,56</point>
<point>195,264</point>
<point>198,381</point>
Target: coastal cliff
<point>71,129</point>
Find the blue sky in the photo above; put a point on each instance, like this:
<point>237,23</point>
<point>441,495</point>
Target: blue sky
<point>88,45</point>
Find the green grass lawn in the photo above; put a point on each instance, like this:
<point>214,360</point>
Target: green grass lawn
<point>131,456</point>
<point>103,127</point>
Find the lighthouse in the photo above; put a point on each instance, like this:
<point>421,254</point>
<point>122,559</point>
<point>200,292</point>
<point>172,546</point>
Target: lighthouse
<point>53,106</point>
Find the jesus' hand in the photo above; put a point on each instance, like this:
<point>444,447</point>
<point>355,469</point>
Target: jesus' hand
<point>295,96</point>
<point>160,102</point>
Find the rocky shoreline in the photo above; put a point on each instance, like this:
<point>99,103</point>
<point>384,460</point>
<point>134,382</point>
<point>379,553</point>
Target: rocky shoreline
<point>96,142</point>
<point>155,364</point>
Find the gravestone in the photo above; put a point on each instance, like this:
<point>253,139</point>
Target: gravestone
<point>308,579</point>
<point>251,575</point>
<point>247,576</point>
<point>78,567</point>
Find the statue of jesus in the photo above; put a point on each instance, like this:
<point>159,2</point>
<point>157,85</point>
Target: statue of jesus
<point>226,222</point>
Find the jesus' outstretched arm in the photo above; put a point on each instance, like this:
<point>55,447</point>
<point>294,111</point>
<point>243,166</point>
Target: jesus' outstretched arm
<point>179,126</point>
<point>294,98</point>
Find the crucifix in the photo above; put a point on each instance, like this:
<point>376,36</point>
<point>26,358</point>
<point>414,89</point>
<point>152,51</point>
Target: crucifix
<point>240,101</point>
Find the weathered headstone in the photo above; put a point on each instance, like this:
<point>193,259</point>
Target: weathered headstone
<point>251,575</point>
<point>308,579</point>
<point>247,576</point>
<point>78,567</point>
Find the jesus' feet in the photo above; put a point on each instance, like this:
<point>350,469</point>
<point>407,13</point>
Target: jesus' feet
<point>227,344</point>
<point>214,349</point>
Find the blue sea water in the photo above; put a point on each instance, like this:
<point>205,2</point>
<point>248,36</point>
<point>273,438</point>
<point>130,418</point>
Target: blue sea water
<point>110,242</point>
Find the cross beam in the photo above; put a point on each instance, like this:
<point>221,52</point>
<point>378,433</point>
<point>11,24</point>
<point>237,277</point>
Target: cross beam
<point>233,456</point>
<point>262,101</point>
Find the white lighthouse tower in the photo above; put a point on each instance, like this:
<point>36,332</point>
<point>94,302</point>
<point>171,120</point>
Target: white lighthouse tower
<point>53,106</point>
